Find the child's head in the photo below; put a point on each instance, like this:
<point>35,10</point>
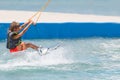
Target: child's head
<point>14,26</point>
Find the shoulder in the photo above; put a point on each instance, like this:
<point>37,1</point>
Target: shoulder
<point>12,33</point>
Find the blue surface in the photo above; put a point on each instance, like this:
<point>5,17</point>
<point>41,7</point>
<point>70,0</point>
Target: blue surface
<point>67,30</point>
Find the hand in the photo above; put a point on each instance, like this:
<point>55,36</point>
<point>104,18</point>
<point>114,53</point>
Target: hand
<point>30,21</point>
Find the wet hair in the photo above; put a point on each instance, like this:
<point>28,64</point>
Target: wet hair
<point>14,25</point>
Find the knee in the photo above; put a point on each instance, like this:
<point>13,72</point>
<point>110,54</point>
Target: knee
<point>23,46</point>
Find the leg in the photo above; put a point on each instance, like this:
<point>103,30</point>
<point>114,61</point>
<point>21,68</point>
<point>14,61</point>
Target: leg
<point>30,45</point>
<point>24,46</point>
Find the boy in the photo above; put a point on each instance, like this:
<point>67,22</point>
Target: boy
<point>14,42</point>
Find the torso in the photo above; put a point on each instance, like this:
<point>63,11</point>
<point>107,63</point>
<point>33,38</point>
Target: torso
<point>12,43</point>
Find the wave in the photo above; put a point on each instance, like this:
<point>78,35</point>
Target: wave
<point>32,59</point>
<point>76,54</point>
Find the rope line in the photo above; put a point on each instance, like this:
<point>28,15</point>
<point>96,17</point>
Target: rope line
<point>39,12</point>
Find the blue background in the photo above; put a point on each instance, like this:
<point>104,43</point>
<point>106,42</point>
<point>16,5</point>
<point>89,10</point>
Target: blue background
<point>67,30</point>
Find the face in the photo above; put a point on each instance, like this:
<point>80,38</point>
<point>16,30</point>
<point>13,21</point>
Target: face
<point>16,29</point>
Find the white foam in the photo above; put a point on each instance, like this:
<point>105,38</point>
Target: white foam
<point>33,59</point>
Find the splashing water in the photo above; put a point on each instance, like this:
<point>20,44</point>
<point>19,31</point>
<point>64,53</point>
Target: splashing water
<point>93,59</point>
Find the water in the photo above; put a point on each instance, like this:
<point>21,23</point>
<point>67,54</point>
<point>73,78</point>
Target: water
<point>76,59</point>
<point>97,7</point>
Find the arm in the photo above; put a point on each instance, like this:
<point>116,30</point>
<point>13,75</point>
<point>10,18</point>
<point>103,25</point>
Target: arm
<point>23,31</point>
<point>23,25</point>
